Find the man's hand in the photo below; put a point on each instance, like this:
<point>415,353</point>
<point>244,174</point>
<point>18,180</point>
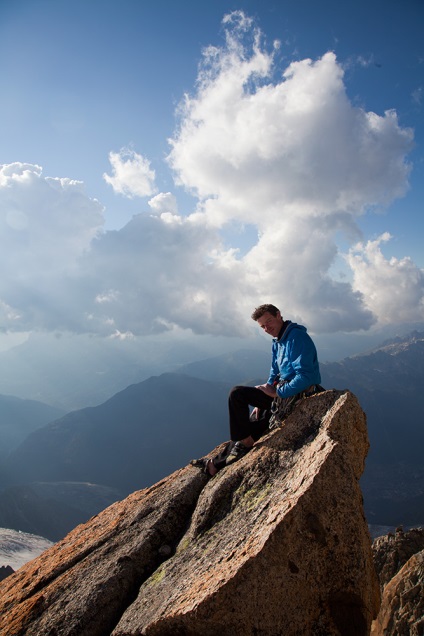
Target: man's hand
<point>254,416</point>
<point>268,389</point>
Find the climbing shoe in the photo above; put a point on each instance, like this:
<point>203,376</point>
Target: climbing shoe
<point>238,451</point>
<point>206,465</point>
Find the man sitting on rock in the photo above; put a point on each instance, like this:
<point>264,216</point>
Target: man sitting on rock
<point>294,374</point>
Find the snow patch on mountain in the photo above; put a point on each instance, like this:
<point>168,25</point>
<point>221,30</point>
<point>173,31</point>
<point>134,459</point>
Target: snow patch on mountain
<point>17,548</point>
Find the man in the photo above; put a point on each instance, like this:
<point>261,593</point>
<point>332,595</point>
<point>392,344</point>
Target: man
<point>294,373</point>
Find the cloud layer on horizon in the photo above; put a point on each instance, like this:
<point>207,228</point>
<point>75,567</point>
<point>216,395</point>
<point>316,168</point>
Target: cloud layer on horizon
<point>289,156</point>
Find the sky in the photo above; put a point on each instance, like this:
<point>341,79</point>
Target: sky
<point>165,167</point>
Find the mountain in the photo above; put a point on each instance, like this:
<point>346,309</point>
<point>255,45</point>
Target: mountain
<point>72,372</point>
<point>130,441</point>
<point>76,371</point>
<point>52,509</point>
<point>245,366</point>
<point>19,418</point>
<point>152,428</point>
<point>69,470</point>
<point>389,382</point>
<point>5,571</point>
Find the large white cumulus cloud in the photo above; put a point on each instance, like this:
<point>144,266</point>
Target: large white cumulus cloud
<point>249,146</point>
<point>294,158</point>
<point>286,154</point>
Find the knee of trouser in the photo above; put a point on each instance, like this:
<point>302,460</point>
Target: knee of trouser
<point>235,391</point>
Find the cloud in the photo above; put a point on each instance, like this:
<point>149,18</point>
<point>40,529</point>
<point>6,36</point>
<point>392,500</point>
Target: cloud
<point>393,288</point>
<point>44,221</point>
<point>160,272</point>
<point>64,272</point>
<point>417,96</point>
<point>295,159</point>
<point>46,224</point>
<point>132,175</point>
<point>284,153</point>
<point>248,153</point>
<point>164,203</point>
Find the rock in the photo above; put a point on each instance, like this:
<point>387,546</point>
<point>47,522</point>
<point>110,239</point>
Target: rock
<point>399,562</point>
<point>391,552</point>
<point>82,584</point>
<point>5,571</point>
<point>402,605</point>
<point>277,543</point>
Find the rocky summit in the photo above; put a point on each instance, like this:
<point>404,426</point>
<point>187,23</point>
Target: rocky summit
<point>274,544</point>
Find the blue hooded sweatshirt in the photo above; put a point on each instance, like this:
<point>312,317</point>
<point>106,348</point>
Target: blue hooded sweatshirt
<point>295,360</point>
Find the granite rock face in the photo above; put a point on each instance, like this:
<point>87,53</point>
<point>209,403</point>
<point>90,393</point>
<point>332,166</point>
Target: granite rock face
<point>392,551</point>
<point>402,605</point>
<point>399,561</point>
<point>277,543</point>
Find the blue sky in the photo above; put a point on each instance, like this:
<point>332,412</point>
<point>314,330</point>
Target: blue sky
<point>129,211</point>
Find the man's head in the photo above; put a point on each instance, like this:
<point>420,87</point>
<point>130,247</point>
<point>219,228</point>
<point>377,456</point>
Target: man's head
<point>269,319</point>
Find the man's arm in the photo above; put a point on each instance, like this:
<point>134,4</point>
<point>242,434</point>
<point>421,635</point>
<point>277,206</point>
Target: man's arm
<point>304,366</point>
<point>274,372</point>
<point>269,389</point>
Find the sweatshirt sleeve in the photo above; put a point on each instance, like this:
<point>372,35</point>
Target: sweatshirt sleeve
<point>274,372</point>
<point>304,368</point>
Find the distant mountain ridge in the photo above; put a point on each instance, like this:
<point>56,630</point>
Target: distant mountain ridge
<point>130,441</point>
<point>77,371</point>
<point>154,427</point>
<point>19,418</point>
<point>398,365</point>
<point>237,367</point>
<point>389,382</point>
<point>400,343</point>
<point>52,509</point>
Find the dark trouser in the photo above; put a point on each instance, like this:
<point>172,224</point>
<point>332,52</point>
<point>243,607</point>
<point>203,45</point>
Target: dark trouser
<point>240,398</point>
<point>241,426</point>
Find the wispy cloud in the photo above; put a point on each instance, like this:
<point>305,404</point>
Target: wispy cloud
<point>417,96</point>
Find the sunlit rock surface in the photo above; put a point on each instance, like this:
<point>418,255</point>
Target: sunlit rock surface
<point>275,544</point>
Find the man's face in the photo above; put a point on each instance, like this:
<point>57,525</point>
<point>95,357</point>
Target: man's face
<point>271,324</point>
